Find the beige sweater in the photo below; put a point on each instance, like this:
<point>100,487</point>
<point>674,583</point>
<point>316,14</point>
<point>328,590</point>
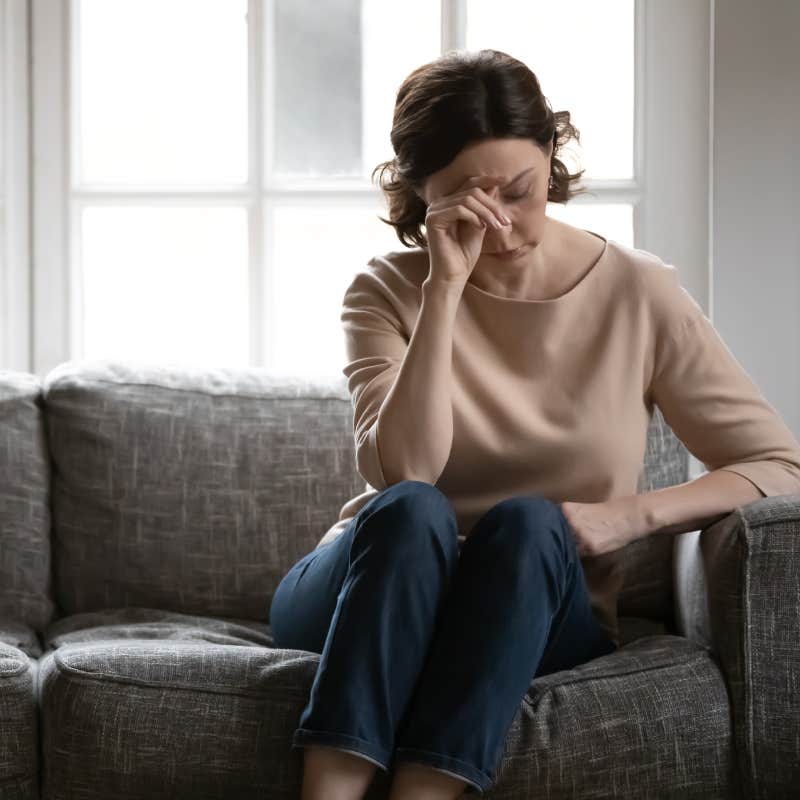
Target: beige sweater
<point>554,396</point>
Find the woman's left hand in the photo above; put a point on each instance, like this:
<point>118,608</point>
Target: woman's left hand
<point>602,527</point>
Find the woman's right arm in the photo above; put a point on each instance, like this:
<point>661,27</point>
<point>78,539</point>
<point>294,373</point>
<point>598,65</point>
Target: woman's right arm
<point>415,424</point>
<point>406,388</point>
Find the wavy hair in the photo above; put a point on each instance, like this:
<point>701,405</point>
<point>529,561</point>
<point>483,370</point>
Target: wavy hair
<point>460,98</point>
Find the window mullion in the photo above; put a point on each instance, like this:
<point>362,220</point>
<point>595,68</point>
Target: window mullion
<point>50,273</point>
<point>15,296</point>
<point>255,206</point>
<point>266,143</point>
<point>454,25</point>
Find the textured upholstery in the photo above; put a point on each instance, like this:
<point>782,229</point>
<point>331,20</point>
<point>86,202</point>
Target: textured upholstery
<point>19,733</point>
<point>647,589</point>
<point>190,490</point>
<point>174,499</point>
<point>752,564</point>
<point>25,591</point>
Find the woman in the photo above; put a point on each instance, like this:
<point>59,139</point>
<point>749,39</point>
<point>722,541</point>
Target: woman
<point>503,374</point>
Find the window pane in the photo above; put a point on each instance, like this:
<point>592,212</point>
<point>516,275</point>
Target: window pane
<point>582,53</point>
<point>163,91</point>
<point>309,281</point>
<point>612,220</point>
<point>335,76</point>
<point>166,284</point>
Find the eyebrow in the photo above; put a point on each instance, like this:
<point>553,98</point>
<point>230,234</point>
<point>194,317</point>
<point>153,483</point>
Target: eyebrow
<point>510,183</point>
<point>514,180</point>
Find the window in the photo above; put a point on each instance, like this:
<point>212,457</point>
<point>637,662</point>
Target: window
<point>201,170</point>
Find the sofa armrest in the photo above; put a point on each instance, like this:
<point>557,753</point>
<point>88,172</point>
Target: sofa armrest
<point>751,561</point>
<point>690,594</point>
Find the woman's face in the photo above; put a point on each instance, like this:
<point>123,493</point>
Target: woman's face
<point>525,168</point>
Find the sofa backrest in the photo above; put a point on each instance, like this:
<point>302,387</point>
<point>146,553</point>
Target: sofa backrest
<point>647,590</point>
<point>25,566</point>
<point>188,488</point>
<point>194,489</point>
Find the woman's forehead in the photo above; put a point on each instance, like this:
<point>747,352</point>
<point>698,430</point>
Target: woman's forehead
<point>487,179</point>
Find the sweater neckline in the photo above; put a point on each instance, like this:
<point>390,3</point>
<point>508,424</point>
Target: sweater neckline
<point>551,300</point>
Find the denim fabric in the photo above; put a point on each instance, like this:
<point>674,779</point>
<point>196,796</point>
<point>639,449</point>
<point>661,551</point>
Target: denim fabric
<point>428,644</point>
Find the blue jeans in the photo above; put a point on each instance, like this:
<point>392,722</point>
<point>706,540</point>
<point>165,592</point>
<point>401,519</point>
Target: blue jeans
<point>428,644</point>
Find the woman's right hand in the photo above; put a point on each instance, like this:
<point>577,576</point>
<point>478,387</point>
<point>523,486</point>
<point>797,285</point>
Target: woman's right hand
<point>455,225</point>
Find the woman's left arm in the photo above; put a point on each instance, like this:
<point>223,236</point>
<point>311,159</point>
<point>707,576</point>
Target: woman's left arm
<point>714,407</point>
<point>696,504</point>
<point>602,527</point>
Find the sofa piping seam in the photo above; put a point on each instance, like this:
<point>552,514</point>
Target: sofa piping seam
<point>94,677</point>
<point>541,692</point>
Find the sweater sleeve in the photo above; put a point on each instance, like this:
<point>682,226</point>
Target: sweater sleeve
<point>713,405</point>
<point>375,344</point>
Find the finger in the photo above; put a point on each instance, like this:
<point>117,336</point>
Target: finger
<point>478,180</point>
<point>489,210</point>
<point>488,200</point>
<point>443,217</point>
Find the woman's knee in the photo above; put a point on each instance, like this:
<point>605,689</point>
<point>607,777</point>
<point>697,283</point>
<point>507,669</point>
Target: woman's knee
<point>410,513</point>
<point>528,522</point>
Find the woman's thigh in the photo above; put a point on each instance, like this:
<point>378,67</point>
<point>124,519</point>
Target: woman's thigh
<point>305,601</point>
<point>531,531</point>
<point>303,604</point>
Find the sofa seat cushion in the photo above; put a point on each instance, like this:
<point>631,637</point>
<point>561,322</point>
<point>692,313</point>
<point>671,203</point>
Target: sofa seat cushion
<point>170,716</point>
<point>136,702</point>
<point>18,724</point>
<point>649,720</point>
<point>134,622</point>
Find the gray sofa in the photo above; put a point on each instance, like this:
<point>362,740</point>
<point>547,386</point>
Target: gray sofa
<point>147,514</point>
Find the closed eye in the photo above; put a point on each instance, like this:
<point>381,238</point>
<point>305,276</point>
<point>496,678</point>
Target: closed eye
<point>519,196</point>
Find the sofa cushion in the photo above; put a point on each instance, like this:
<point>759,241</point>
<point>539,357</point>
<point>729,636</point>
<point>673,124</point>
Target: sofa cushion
<point>25,587</point>
<point>180,718</point>
<point>649,720</point>
<point>153,623</point>
<point>168,718</point>
<point>19,741</point>
<point>190,489</point>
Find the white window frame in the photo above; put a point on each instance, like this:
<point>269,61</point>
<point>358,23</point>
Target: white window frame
<point>670,193</point>
<point>15,256</point>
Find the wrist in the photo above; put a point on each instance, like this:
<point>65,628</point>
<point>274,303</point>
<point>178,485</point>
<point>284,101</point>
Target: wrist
<point>444,296</point>
<point>438,286</point>
<point>648,512</point>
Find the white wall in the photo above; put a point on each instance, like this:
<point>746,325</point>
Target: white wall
<point>755,220</point>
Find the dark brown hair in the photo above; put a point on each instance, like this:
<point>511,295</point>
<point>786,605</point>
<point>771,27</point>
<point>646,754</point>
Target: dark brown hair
<point>461,98</point>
